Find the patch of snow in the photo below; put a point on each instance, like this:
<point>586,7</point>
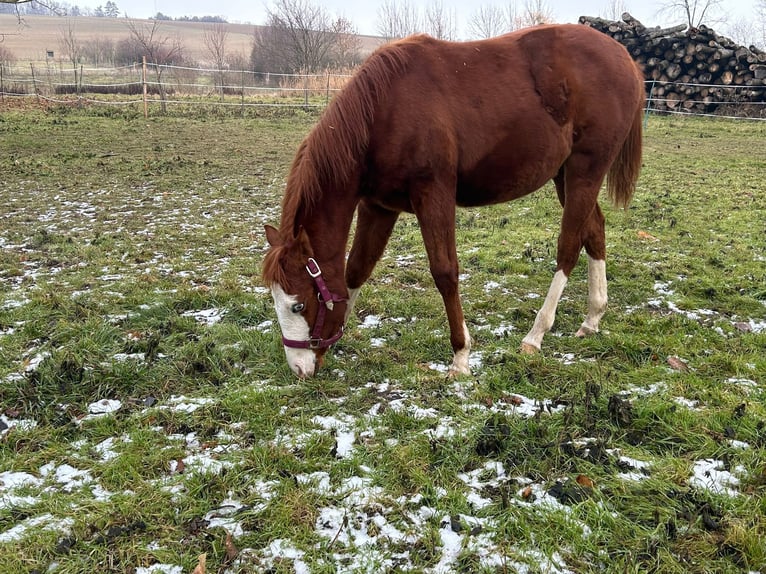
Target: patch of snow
<point>182,404</point>
<point>344,434</point>
<point>20,424</point>
<point>160,569</point>
<point>710,474</point>
<point>225,517</point>
<point>104,406</point>
<point>688,403</point>
<point>370,322</point>
<point>36,523</point>
<point>207,317</point>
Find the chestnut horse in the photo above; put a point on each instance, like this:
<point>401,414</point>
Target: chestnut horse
<point>425,126</point>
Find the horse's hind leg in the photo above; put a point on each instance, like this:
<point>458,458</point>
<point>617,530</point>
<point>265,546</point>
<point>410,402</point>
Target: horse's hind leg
<point>581,224</point>
<point>374,225</point>
<point>595,247</point>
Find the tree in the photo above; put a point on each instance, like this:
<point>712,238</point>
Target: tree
<point>536,12</point>
<point>762,23</point>
<point>614,10</point>
<point>7,58</point>
<point>491,20</point>
<point>70,45</point>
<point>694,12</point>
<point>100,50</point>
<point>111,10</point>
<point>301,37</point>
<point>215,37</point>
<point>439,23</point>
<point>397,20</point>
<point>159,49</point>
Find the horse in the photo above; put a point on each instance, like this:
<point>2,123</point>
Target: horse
<point>425,126</point>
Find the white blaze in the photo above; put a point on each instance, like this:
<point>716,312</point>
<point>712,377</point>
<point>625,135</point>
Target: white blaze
<point>295,328</point>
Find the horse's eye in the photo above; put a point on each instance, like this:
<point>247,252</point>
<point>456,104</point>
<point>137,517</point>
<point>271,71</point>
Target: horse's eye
<point>297,307</point>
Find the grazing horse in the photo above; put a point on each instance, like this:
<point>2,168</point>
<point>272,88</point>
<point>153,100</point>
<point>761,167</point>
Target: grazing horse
<point>425,126</point>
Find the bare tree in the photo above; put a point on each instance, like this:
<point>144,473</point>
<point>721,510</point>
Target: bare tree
<point>398,19</point>
<point>100,50</point>
<point>158,48</point>
<point>492,20</point>
<point>71,46</point>
<point>536,12</point>
<point>487,21</point>
<point>513,17</point>
<point>7,58</point>
<point>215,37</point>
<point>439,23</point>
<point>301,36</point>
<point>347,44</point>
<point>694,12</point>
<point>614,10</point>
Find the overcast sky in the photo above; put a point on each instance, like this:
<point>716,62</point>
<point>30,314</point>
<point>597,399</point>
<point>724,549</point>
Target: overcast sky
<point>364,15</point>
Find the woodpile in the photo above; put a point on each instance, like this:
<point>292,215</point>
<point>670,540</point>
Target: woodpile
<point>691,70</point>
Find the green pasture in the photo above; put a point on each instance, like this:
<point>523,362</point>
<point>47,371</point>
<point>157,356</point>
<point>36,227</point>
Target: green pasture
<point>148,417</point>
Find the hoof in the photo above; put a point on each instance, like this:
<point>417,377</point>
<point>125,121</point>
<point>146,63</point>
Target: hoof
<point>527,349</point>
<point>585,332</point>
<point>455,372</point>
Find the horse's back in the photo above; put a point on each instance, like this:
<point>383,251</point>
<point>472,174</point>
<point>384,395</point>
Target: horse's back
<point>501,116</point>
<point>552,65</point>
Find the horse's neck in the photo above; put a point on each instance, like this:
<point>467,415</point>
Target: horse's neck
<point>334,199</point>
<point>328,227</point>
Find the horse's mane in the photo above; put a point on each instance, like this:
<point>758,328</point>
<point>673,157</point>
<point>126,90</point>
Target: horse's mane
<point>334,149</point>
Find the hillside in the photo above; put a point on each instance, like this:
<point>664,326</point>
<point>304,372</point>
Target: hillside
<point>39,34</point>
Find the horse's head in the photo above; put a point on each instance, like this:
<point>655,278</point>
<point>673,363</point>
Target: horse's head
<point>310,315</point>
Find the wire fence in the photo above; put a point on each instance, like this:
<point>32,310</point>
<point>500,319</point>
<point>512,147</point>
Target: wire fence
<point>148,84</point>
<point>155,88</point>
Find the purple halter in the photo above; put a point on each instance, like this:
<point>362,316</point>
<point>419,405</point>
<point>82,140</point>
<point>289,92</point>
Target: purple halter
<point>326,301</point>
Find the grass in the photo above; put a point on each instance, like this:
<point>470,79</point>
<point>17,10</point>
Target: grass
<point>129,258</point>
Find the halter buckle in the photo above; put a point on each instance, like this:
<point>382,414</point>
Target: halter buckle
<point>313,268</point>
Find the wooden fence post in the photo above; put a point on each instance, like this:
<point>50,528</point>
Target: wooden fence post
<point>243,93</point>
<point>143,81</point>
<point>34,82</point>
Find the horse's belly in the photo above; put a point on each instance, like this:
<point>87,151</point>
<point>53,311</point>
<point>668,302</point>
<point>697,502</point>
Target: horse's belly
<point>471,196</point>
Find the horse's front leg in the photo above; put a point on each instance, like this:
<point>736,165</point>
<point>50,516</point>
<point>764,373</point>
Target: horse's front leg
<point>437,227</point>
<point>374,225</point>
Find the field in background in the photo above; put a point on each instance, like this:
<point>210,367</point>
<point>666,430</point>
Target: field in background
<point>38,34</point>
<point>148,417</point>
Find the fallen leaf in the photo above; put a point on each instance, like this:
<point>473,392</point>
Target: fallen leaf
<point>201,568</point>
<point>514,400</point>
<point>647,236</point>
<point>584,481</point>
<point>678,364</point>
<point>526,493</point>
<point>231,551</point>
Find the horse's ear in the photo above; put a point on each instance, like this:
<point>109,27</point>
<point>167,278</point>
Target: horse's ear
<point>273,236</point>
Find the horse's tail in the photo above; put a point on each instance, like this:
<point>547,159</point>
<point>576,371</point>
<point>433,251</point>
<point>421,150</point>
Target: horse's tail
<point>622,176</point>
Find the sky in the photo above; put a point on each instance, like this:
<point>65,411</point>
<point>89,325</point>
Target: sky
<point>364,15</point>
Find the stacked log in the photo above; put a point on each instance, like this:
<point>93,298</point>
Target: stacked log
<point>691,70</point>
